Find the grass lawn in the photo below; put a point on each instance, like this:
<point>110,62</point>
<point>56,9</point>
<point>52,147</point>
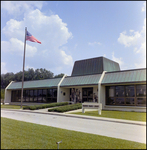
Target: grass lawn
<point>136,116</point>
<point>22,135</point>
<point>10,106</point>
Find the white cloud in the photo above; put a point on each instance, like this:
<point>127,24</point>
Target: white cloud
<point>17,47</point>
<point>129,40</point>
<point>67,59</point>
<point>141,61</point>
<point>94,43</point>
<point>138,40</point>
<point>118,60</point>
<point>144,7</point>
<point>14,29</point>
<point>50,30</point>
<point>18,7</point>
<point>141,49</point>
<point>3,68</point>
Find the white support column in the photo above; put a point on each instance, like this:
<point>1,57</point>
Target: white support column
<point>8,94</point>
<point>99,89</point>
<point>58,90</point>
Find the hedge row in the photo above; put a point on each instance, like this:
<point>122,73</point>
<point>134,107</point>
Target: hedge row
<point>42,106</point>
<point>66,108</point>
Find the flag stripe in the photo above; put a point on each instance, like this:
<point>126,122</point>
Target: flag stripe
<point>31,38</point>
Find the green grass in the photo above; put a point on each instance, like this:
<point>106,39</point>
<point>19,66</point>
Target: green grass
<point>22,135</point>
<point>135,116</point>
<point>10,106</point>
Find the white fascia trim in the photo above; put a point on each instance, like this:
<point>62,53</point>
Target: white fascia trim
<point>61,80</point>
<point>9,84</point>
<point>6,89</point>
<point>99,85</point>
<point>59,87</point>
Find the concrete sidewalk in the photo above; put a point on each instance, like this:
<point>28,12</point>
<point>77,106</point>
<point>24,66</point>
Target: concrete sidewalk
<point>67,114</point>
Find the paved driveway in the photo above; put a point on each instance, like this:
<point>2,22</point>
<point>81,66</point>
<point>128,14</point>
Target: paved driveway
<point>132,132</point>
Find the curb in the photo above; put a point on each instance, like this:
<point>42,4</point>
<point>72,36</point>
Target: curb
<point>83,117</point>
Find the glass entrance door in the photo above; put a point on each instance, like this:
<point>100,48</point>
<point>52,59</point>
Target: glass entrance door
<point>87,95</point>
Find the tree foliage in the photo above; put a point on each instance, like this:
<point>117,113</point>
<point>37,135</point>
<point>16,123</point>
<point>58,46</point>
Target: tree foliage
<point>30,74</point>
<point>59,75</point>
<point>2,93</point>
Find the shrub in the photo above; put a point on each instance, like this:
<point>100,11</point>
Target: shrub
<point>42,106</point>
<point>66,108</point>
<point>26,107</point>
<point>32,107</point>
<point>38,106</point>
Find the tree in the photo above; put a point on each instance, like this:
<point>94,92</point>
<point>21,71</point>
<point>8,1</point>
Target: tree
<point>59,75</point>
<point>6,79</point>
<point>18,76</point>
<point>43,74</point>
<point>2,93</point>
<point>29,74</point>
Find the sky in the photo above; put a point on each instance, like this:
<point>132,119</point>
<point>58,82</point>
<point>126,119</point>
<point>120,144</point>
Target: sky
<point>71,31</point>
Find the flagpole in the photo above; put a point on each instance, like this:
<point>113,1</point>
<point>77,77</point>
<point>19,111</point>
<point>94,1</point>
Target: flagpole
<point>23,67</point>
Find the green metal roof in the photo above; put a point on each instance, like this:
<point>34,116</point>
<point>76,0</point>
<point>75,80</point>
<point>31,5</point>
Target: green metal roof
<point>109,65</point>
<point>81,80</point>
<point>94,66</point>
<point>127,76</point>
<point>47,83</point>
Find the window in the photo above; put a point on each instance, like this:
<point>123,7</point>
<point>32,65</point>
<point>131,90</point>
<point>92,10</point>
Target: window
<point>49,93</point>
<point>119,91</point>
<point>111,91</point>
<point>27,96</point>
<point>141,101</point>
<point>35,95</point>
<point>18,95</point>
<point>44,95</point>
<point>13,97</point>
<point>110,101</point>
<point>24,95</point>
<point>130,101</point>
<point>39,95</point>
<point>140,90</point>
<point>130,92</point>
<point>120,101</point>
<point>54,92</point>
<point>134,95</point>
<point>141,95</point>
<point>31,95</point>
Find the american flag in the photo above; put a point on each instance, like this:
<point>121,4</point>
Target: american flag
<point>31,38</point>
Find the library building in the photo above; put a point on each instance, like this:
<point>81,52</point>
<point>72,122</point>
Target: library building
<point>92,80</point>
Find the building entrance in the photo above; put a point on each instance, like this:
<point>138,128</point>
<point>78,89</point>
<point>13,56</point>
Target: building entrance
<point>87,94</point>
